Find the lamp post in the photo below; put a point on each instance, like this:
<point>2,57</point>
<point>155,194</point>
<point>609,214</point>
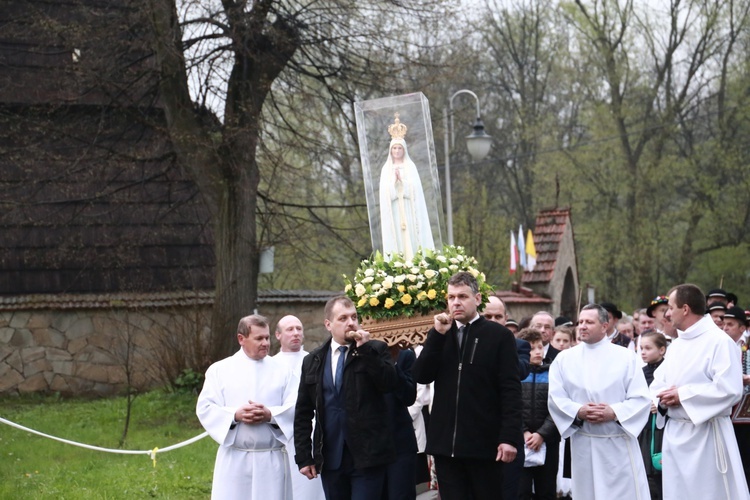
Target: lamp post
<point>478,143</point>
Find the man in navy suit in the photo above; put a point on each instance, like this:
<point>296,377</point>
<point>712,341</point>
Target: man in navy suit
<point>343,386</point>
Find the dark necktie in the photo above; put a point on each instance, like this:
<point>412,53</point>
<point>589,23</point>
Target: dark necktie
<point>340,368</point>
<point>461,333</point>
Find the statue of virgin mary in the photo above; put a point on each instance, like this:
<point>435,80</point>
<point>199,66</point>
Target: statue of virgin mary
<point>403,211</point>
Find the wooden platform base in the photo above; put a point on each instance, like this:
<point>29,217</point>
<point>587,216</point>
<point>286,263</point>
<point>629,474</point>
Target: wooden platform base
<point>400,331</point>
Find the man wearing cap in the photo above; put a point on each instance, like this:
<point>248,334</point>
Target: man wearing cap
<point>735,323</point>
<point>717,295</point>
<point>512,325</point>
<point>696,386</point>
<point>716,310</point>
<point>613,335</point>
<point>732,300</point>
<point>656,310</point>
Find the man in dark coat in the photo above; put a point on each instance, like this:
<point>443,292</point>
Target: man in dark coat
<point>496,311</point>
<point>343,386</point>
<point>476,413</point>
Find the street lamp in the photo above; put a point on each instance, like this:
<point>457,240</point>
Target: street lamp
<point>478,143</point>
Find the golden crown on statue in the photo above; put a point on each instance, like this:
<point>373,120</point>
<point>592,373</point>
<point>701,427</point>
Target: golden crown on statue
<point>397,129</point>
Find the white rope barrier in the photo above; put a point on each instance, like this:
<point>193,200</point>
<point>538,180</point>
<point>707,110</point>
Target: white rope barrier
<point>150,453</point>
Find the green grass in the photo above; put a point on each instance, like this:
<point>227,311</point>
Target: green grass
<point>35,467</point>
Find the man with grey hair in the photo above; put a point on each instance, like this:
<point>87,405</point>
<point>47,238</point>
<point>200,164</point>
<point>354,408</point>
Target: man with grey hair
<point>598,397</point>
<point>545,323</point>
<point>247,405</point>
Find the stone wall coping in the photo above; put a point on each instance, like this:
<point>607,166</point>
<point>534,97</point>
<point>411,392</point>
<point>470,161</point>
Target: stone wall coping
<point>148,300</point>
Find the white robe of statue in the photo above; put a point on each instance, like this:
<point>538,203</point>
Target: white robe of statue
<point>699,452</point>
<point>251,462</point>
<point>405,223</point>
<point>606,459</point>
<point>304,489</point>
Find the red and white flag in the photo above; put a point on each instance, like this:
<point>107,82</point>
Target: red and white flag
<point>513,253</point>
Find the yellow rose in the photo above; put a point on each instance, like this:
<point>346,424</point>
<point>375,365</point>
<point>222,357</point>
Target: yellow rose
<point>431,294</point>
<point>401,288</point>
<point>421,295</point>
<point>389,302</point>
<point>406,299</point>
<point>374,301</point>
<point>362,302</point>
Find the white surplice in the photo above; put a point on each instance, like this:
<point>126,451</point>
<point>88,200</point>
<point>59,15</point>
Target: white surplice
<point>699,452</point>
<point>251,462</point>
<point>304,489</point>
<point>606,459</point>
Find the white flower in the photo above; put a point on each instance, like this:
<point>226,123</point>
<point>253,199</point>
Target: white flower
<point>473,272</point>
<point>453,267</point>
<point>443,270</point>
<point>369,272</point>
<point>400,278</point>
<point>376,286</point>
<point>369,279</point>
<point>359,290</point>
<point>454,260</point>
<point>429,273</point>
<point>387,283</point>
<point>412,277</point>
<point>460,257</point>
<point>348,287</point>
<point>414,270</point>
<point>441,258</point>
<point>398,264</point>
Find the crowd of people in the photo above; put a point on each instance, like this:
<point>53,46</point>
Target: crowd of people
<point>613,406</point>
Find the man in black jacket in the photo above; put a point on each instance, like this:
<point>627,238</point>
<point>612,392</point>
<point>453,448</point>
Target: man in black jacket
<point>476,412</point>
<point>343,386</point>
<point>496,311</point>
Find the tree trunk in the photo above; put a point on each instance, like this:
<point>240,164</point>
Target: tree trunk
<point>237,261</point>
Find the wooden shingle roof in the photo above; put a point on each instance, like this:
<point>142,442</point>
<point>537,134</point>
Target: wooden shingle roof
<point>548,233</point>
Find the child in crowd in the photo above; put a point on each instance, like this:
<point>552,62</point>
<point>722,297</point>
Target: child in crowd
<point>652,346</point>
<point>538,427</point>
<point>563,338</point>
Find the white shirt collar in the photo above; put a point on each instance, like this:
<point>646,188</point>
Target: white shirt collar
<point>335,345</point>
<point>476,317</point>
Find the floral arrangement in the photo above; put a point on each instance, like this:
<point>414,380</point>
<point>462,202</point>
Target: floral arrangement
<point>393,287</point>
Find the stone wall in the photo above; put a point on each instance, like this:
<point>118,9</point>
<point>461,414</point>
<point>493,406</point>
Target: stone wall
<point>97,351</point>
<point>88,351</point>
